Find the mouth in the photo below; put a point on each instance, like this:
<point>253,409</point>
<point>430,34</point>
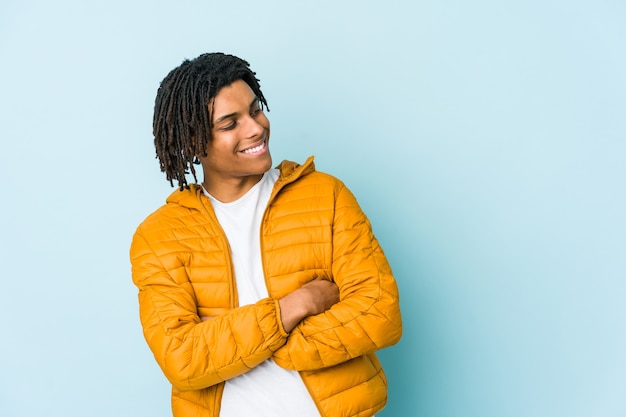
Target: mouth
<point>255,149</point>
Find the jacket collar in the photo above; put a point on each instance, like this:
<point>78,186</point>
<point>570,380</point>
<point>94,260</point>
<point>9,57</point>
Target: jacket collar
<point>289,172</point>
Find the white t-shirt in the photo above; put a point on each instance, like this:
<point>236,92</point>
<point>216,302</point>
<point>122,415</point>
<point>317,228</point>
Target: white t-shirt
<point>267,390</point>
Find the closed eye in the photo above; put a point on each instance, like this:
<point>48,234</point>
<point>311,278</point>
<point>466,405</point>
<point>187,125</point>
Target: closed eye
<point>255,108</point>
<point>229,126</point>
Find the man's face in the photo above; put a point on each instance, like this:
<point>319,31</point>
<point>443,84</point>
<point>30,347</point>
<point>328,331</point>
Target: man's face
<point>241,131</point>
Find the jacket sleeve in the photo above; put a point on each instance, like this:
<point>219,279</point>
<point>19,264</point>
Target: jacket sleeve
<point>367,317</point>
<point>195,354</point>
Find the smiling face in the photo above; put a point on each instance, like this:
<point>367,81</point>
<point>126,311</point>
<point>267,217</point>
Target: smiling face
<point>238,152</point>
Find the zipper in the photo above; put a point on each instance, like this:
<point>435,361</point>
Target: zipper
<point>232,285</point>
<point>277,188</point>
<point>319,410</point>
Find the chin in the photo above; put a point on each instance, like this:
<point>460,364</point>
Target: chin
<point>267,162</point>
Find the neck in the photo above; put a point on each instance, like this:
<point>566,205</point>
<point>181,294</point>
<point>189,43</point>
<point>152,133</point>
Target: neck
<point>228,191</point>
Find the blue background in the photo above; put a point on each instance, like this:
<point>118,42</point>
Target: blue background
<point>484,139</point>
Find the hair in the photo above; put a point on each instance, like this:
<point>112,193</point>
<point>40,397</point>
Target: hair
<point>182,117</point>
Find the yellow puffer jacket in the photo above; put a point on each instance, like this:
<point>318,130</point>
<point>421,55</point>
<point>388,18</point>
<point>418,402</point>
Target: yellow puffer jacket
<point>313,228</point>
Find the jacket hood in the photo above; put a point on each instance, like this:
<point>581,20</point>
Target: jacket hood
<point>289,172</point>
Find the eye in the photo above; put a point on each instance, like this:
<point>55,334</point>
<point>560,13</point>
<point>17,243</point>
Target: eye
<point>229,126</point>
<point>256,109</point>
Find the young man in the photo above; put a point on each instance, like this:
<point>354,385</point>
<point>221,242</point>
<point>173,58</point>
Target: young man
<point>262,292</point>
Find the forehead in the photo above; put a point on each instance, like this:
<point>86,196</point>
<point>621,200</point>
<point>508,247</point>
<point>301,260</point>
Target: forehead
<point>232,98</point>
<point>237,90</point>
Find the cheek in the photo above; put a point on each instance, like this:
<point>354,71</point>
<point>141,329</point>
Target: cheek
<point>264,121</point>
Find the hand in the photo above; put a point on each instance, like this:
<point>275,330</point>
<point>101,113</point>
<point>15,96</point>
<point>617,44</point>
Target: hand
<point>313,298</point>
<point>321,293</point>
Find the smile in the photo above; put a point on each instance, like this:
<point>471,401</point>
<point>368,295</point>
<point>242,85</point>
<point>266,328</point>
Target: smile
<point>256,149</point>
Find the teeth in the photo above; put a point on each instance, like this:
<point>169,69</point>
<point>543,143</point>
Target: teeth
<point>255,149</point>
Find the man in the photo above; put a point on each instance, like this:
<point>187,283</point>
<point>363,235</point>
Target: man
<point>262,292</point>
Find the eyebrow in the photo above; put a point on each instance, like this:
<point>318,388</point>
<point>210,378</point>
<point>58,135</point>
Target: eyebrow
<point>229,115</point>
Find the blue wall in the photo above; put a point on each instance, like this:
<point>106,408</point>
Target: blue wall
<point>485,140</point>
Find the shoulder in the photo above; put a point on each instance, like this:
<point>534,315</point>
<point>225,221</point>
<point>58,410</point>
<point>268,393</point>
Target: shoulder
<point>310,192</point>
<point>182,211</point>
<point>301,176</point>
<point>314,188</point>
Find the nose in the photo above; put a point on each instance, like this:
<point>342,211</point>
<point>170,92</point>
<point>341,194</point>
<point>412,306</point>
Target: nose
<point>253,128</point>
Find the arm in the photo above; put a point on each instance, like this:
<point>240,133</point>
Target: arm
<point>368,316</point>
<point>194,354</point>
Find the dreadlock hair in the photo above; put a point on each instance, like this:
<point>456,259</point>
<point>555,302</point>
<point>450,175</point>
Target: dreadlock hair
<point>182,116</point>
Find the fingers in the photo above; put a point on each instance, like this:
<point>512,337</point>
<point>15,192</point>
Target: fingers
<point>323,294</point>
